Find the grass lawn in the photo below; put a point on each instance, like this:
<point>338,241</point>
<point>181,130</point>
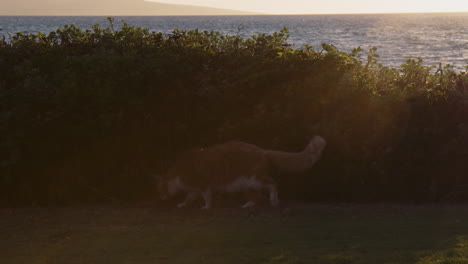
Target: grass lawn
<point>320,233</point>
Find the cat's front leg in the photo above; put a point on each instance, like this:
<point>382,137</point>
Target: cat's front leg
<point>207,197</point>
<point>252,198</point>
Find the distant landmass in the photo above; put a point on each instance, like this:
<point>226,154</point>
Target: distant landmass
<point>108,8</point>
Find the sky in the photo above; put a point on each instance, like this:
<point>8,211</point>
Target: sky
<point>196,7</point>
<point>331,6</point>
<point>102,8</point>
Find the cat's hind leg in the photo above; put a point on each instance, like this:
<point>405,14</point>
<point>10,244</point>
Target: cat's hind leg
<point>274,201</point>
<point>190,197</point>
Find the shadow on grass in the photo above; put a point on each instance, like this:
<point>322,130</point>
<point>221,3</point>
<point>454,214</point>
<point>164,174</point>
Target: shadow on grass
<point>456,255</point>
<point>308,234</point>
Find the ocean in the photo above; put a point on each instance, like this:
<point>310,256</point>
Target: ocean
<point>436,38</point>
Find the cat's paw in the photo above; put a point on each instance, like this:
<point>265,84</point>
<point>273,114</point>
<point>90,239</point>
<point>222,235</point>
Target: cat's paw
<point>248,204</point>
<point>274,203</point>
<point>206,207</point>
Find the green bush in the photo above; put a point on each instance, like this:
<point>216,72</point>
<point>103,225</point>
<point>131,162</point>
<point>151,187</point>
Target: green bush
<point>91,115</point>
